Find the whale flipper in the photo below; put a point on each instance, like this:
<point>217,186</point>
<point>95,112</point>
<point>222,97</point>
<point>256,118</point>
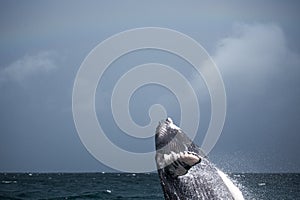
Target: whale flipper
<point>178,164</point>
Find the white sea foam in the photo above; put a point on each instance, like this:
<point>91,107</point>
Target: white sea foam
<point>8,182</point>
<point>261,184</point>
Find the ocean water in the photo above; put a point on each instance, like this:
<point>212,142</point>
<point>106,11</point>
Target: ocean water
<point>131,186</point>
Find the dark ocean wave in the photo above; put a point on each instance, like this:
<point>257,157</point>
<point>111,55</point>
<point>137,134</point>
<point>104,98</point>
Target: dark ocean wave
<point>131,186</point>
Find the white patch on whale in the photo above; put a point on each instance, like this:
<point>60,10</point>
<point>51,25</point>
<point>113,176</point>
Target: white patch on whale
<point>236,193</point>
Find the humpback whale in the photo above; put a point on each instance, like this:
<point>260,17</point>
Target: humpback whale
<point>184,170</point>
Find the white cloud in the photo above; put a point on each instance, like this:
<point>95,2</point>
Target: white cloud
<point>28,66</point>
<point>253,53</point>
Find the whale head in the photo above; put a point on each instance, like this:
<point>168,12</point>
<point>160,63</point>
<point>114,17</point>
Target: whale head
<point>175,151</point>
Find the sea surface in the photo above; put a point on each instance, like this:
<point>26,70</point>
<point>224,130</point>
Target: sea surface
<point>132,186</point>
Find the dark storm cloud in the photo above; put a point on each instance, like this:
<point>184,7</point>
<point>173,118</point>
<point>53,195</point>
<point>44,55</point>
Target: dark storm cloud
<point>255,44</point>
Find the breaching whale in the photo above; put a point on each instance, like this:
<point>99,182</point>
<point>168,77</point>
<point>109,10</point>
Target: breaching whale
<point>184,170</point>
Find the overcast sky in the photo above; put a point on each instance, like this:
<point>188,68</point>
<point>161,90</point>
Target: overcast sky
<point>255,45</point>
